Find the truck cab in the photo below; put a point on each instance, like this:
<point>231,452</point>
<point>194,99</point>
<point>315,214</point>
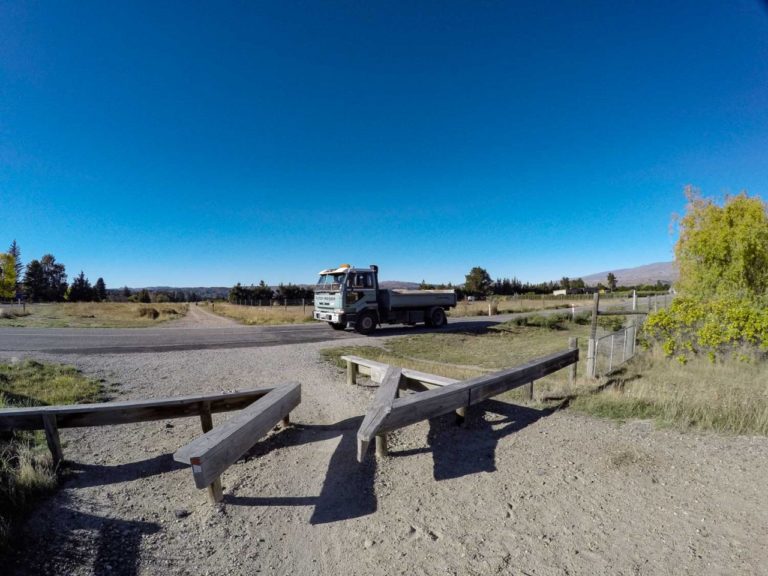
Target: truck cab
<point>349,296</point>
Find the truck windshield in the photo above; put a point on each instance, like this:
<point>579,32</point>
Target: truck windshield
<point>330,281</point>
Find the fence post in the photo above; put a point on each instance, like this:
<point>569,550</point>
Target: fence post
<point>303,306</point>
<point>634,300</point>
<point>610,356</point>
<point>592,344</point>
<point>573,343</point>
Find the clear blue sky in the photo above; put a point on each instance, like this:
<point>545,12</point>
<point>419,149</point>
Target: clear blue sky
<point>185,143</point>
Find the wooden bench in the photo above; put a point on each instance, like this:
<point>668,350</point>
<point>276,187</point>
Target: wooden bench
<point>388,413</point>
<point>211,454</point>
<point>51,418</point>
<point>376,371</point>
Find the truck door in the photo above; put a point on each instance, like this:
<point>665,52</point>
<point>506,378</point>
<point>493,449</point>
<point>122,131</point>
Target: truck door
<point>361,290</point>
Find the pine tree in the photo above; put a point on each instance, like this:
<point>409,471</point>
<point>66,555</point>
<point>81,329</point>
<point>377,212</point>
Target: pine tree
<point>7,276</point>
<point>100,288</point>
<point>34,282</point>
<point>16,253</point>
<point>80,290</point>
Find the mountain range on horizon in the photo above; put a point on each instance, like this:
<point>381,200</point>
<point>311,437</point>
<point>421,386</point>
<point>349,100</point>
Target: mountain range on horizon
<point>665,272</point>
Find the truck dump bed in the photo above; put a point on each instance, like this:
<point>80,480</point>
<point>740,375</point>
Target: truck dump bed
<point>401,299</point>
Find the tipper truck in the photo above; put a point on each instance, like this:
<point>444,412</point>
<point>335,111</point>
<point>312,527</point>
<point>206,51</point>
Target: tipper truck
<point>348,296</point>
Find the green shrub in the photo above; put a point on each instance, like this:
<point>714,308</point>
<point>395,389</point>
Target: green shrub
<point>715,327</point>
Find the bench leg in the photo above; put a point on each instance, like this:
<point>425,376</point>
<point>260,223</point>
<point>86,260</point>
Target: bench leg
<point>381,445</point>
<point>461,414</point>
<point>215,493</point>
<point>530,390</point>
<point>351,373</point>
<point>286,421</point>
<point>52,438</point>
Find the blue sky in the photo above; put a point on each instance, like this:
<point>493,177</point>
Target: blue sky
<point>186,144</point>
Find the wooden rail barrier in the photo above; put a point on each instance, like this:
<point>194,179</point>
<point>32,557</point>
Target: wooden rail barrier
<point>51,418</point>
<point>211,454</point>
<point>389,413</point>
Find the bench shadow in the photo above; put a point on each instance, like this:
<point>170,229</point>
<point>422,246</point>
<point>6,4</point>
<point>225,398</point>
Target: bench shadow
<point>109,546</point>
<point>348,487</point>
<point>460,451</point>
<point>101,475</point>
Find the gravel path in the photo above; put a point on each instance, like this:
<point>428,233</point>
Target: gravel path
<point>198,317</point>
<point>517,492</point>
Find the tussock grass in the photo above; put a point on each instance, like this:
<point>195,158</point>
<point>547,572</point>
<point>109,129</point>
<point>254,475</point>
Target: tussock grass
<point>11,312</point>
<point>726,396</point>
<point>96,315</point>
<point>26,470</point>
<point>253,315</point>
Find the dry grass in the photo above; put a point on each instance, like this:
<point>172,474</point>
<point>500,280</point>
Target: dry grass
<point>253,315</point>
<point>96,315</point>
<point>510,304</point>
<point>463,355</point>
<point>26,471</point>
<point>727,396</point>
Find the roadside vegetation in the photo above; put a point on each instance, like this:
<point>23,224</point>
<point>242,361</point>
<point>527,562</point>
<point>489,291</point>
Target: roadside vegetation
<point>258,315</point>
<point>26,471</point>
<point>90,314</point>
<point>468,355</point>
<point>702,362</point>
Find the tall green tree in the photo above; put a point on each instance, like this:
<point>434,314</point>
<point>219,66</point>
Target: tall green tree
<point>16,253</point>
<point>723,250</point>
<point>100,290</point>
<point>7,276</point>
<point>55,278</point>
<point>34,282</point>
<point>80,290</point>
<point>611,281</point>
<point>478,281</point>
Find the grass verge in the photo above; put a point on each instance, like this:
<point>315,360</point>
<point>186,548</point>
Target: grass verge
<point>26,471</point>
<point>260,315</point>
<point>727,396</point>
<point>92,315</point>
<point>467,355</point>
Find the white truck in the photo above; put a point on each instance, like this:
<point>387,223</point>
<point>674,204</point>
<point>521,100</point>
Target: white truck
<point>348,296</point>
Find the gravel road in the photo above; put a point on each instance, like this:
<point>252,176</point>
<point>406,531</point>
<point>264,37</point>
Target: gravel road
<point>519,491</point>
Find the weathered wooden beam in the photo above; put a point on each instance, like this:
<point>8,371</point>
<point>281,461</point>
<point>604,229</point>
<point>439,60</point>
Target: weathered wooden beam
<point>219,448</point>
<point>376,370</point>
<point>215,492</point>
<point>111,413</point>
<point>573,344</point>
<point>382,403</point>
<point>52,438</point>
<point>425,405</point>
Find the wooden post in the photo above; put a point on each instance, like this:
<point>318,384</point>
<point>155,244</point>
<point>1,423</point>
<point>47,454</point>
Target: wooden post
<point>530,390</point>
<point>215,493</point>
<point>303,306</point>
<point>381,445</point>
<point>573,343</point>
<point>351,373</point>
<point>634,300</point>
<point>52,438</point>
<point>592,344</point>
<point>462,416</point>
<point>286,421</point>
<point>489,309</point>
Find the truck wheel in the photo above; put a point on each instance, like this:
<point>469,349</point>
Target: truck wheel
<point>437,318</point>
<point>365,323</point>
<point>337,325</point>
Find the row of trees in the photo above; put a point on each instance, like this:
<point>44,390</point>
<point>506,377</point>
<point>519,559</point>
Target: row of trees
<point>263,293</point>
<point>44,280</point>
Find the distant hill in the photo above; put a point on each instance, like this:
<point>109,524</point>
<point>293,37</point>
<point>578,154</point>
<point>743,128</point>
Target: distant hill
<point>392,284</point>
<point>647,274</point>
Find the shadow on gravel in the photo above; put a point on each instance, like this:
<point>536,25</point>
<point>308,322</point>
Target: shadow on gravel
<point>106,545</point>
<point>100,475</point>
<point>347,491</point>
<point>461,451</point>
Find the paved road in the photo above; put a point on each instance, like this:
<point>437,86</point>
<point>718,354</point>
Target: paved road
<point>182,337</point>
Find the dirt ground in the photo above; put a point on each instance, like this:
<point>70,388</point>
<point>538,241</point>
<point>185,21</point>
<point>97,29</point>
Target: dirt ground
<point>518,491</point>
